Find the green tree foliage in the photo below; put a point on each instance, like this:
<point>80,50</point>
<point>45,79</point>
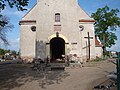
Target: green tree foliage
<point>5,25</point>
<point>19,4</point>
<point>13,52</point>
<point>2,51</point>
<point>106,23</point>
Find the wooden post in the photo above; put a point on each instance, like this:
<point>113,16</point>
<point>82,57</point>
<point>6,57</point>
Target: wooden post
<point>118,72</point>
<point>89,44</point>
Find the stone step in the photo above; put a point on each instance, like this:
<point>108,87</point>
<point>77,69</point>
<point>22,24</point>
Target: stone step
<point>57,66</point>
<point>48,68</point>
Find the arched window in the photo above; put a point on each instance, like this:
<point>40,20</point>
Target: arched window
<point>57,17</point>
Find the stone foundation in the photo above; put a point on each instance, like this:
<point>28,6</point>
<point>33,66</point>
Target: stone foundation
<point>84,58</point>
<point>27,59</point>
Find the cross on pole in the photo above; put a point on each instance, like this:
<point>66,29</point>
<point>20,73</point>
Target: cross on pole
<point>88,43</point>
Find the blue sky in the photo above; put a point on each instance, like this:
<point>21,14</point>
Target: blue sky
<point>90,6</point>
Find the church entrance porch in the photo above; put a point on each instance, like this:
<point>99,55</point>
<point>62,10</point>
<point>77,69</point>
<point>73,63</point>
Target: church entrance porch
<point>57,48</point>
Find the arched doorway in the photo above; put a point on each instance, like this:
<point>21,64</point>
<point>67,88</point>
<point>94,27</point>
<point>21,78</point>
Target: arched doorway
<point>57,48</point>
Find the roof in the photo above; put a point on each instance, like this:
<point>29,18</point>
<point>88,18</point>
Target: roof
<point>97,43</point>
<point>83,20</point>
<point>30,10</point>
<point>26,21</point>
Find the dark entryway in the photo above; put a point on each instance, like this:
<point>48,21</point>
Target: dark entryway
<point>57,48</point>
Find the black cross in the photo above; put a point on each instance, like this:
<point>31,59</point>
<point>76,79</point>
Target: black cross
<point>57,34</point>
<point>88,43</point>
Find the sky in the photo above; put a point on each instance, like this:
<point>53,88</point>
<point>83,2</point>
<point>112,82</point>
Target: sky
<point>89,6</point>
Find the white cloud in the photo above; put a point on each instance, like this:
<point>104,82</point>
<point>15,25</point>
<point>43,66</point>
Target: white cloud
<point>11,12</point>
<point>19,13</point>
<point>14,44</point>
<point>115,47</point>
<point>14,41</point>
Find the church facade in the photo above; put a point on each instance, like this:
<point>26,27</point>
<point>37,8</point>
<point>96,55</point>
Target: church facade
<point>57,27</point>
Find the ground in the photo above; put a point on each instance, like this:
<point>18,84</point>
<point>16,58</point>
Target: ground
<point>22,77</point>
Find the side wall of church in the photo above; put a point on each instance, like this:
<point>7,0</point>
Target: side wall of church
<point>88,27</point>
<point>99,52</point>
<point>27,42</point>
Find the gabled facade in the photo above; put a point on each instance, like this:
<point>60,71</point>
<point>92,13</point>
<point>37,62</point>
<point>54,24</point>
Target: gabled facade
<point>54,28</point>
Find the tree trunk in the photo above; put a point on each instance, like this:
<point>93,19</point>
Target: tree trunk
<point>104,51</point>
<point>104,47</point>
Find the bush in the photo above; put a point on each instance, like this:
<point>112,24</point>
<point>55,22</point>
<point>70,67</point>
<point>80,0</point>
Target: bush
<point>98,59</point>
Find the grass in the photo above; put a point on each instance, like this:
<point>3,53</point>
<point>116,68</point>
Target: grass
<point>99,59</point>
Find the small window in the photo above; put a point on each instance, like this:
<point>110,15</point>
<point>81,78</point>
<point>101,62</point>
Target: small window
<point>33,28</point>
<point>57,17</point>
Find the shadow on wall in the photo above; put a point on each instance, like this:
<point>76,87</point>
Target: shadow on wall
<point>14,76</point>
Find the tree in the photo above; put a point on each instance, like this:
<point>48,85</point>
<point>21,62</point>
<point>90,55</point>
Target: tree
<point>19,4</point>
<point>105,26</point>
<point>13,52</point>
<point>5,25</point>
<point>2,51</point>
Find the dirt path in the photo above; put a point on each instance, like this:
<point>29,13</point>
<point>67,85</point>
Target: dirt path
<point>21,77</point>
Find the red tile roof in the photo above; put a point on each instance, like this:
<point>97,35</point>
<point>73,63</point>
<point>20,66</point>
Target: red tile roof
<point>27,21</point>
<point>86,20</point>
<point>97,43</point>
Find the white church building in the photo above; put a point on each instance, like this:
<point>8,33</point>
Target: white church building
<point>58,27</point>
